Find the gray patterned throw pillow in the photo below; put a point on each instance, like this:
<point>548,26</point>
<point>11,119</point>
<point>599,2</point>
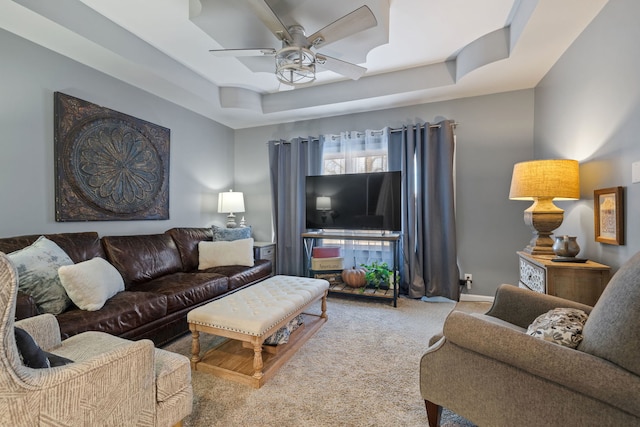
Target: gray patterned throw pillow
<point>37,267</point>
<point>230,234</point>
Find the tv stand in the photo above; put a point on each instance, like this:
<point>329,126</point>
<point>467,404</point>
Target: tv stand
<point>311,239</point>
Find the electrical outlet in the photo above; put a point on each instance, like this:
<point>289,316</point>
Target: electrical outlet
<point>635,172</point>
<point>468,279</point>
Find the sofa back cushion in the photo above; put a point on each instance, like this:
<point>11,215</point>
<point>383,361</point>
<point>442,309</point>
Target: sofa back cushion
<point>612,331</point>
<point>79,246</point>
<point>143,257</point>
<point>187,240</point>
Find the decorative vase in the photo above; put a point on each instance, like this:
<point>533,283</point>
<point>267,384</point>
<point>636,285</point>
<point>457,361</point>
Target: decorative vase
<point>566,246</point>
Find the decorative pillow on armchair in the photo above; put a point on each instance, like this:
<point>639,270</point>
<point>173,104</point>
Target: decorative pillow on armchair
<point>561,326</point>
<point>37,267</point>
<point>33,356</point>
<point>229,234</point>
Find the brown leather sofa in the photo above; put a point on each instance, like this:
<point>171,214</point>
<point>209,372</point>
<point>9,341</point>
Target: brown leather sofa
<point>161,276</point>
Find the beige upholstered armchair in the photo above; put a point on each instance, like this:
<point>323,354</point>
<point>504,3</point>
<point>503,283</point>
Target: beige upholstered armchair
<point>111,382</point>
<point>488,369</point>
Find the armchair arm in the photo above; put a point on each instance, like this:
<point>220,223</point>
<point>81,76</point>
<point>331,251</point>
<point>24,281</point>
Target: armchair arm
<point>573,369</point>
<point>134,355</point>
<point>521,306</point>
<point>114,386</point>
<point>44,329</point>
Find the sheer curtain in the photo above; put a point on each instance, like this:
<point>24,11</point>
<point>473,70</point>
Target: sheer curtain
<point>358,152</point>
<point>289,162</point>
<point>355,152</point>
<point>426,156</point>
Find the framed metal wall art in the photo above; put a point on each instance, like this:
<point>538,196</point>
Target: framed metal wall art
<point>608,212</point>
<point>109,166</point>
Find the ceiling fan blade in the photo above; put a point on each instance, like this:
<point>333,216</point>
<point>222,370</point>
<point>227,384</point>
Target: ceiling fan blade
<point>347,69</point>
<point>270,20</point>
<point>267,51</point>
<point>354,22</point>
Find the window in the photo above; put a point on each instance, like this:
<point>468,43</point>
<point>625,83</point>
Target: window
<point>358,152</point>
<point>355,152</point>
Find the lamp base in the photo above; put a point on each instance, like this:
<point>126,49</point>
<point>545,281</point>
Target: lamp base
<point>231,221</point>
<point>538,248</point>
<point>542,217</point>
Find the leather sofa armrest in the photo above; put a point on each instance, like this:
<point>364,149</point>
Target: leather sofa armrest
<point>571,368</point>
<point>521,306</point>
<point>25,306</point>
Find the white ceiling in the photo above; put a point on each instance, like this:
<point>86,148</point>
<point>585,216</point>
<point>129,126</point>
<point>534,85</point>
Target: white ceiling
<point>421,50</point>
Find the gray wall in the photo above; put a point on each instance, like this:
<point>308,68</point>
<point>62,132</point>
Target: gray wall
<point>585,108</point>
<point>202,152</point>
<point>494,132</point>
<point>588,108</point>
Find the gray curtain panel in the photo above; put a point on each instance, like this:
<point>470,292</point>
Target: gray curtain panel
<point>289,163</point>
<point>429,230</point>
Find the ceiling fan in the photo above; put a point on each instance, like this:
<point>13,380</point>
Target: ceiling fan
<point>295,62</point>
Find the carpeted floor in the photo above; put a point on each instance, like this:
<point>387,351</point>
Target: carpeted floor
<point>360,369</point>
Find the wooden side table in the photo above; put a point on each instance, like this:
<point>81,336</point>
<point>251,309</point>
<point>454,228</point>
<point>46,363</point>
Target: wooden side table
<point>581,282</point>
<point>266,250</point>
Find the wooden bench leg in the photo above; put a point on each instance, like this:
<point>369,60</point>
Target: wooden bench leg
<point>195,346</point>
<point>324,305</point>
<point>257,360</point>
<point>433,413</point>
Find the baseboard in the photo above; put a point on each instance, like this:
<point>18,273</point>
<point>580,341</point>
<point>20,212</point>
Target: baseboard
<point>475,298</point>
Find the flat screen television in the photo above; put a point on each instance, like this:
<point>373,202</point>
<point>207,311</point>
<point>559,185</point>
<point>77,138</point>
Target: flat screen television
<point>359,201</point>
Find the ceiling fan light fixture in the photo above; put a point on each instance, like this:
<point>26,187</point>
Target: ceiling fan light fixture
<point>318,41</point>
<point>295,66</point>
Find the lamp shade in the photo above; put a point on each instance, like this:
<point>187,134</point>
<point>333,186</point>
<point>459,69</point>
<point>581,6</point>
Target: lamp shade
<point>555,179</point>
<point>230,202</point>
<point>323,203</point>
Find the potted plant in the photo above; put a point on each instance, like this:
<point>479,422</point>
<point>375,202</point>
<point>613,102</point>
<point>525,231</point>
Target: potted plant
<point>377,275</point>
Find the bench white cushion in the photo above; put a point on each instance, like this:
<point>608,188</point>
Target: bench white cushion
<point>258,308</point>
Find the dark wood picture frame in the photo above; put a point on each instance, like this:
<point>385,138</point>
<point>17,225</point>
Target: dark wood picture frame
<point>109,166</point>
<point>608,211</point>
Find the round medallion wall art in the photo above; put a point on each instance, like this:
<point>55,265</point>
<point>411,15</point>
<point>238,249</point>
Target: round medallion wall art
<point>109,166</point>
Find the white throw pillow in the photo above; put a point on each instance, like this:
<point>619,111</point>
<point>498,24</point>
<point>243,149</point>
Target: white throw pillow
<point>217,254</point>
<point>91,283</point>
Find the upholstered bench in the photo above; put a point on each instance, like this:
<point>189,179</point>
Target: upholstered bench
<point>250,316</point>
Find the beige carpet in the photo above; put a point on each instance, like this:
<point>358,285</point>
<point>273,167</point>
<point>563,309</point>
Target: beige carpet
<point>360,369</point>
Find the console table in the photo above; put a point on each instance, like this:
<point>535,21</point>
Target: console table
<point>312,239</point>
<point>581,282</point>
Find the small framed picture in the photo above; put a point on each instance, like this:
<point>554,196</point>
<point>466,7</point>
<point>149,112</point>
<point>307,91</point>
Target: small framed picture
<point>608,205</point>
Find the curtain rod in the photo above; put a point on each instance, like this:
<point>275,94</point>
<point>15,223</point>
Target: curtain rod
<point>302,140</point>
<point>454,124</point>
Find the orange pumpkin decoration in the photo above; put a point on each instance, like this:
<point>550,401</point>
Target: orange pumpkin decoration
<point>354,277</point>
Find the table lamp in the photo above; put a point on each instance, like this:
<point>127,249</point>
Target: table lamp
<point>544,181</point>
<point>231,202</point>
<point>323,204</point>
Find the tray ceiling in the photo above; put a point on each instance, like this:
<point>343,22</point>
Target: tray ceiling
<point>421,50</point>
